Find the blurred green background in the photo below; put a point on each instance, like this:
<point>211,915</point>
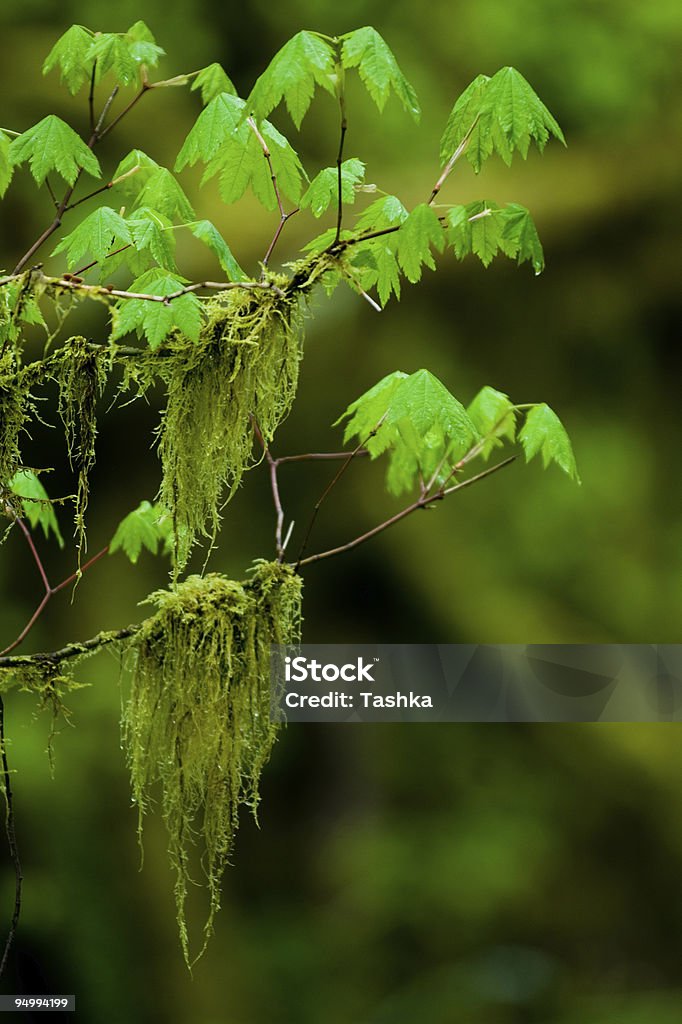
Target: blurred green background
<point>479,874</point>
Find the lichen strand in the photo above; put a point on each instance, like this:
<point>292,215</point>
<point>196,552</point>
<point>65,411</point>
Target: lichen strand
<point>80,371</point>
<point>197,719</point>
<point>245,364</point>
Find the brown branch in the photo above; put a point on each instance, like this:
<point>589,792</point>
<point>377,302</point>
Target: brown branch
<point>50,591</point>
<point>330,486</point>
<point>274,487</point>
<point>10,832</point>
<point>424,501</point>
<point>136,99</point>
<point>90,195</point>
<point>317,456</point>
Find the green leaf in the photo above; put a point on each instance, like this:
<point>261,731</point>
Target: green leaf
<point>380,266</point>
<point>143,167</point>
<point>385,212</point>
<point>323,189</point>
<point>124,54</point>
<point>212,81</point>
<point>365,50</point>
<point>304,61</point>
<point>544,432</point>
<point>151,230</point>
<point>208,233</point>
<point>155,320</point>
<point>36,503</point>
<point>51,145</point>
<point>242,163</point>
<point>494,416</point>
<point>161,191</point>
<point>519,237</point>
<point>417,419</point>
<point>419,232</point>
<point>148,526</point>
<point>142,45</point>
<point>100,232</point>
<point>71,55</point>
<point>484,228</point>
<point>320,242</point>
<point>499,114</point>
<point>366,413</point>
<point>6,168</point>
<point>211,130</point>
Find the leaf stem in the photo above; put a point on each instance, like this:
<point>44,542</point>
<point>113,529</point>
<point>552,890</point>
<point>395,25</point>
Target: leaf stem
<point>283,215</point>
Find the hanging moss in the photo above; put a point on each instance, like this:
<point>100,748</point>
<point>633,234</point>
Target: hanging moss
<point>16,408</point>
<point>245,364</point>
<point>80,372</point>
<point>45,677</point>
<point>197,719</point>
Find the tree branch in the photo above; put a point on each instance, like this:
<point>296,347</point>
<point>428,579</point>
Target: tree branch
<point>328,489</point>
<point>104,290</point>
<point>50,591</point>
<point>74,650</point>
<point>424,501</point>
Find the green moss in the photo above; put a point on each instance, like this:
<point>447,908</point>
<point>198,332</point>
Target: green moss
<point>245,365</point>
<point>80,372</point>
<point>197,719</point>
<point>16,408</point>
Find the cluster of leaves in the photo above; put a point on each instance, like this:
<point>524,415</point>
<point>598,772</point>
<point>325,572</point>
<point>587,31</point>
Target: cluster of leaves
<point>429,435</point>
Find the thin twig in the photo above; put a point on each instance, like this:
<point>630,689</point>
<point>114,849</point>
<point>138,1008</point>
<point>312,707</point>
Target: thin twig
<point>105,290</point>
<point>339,162</point>
<point>424,501</point>
<point>317,456</point>
<point>50,591</point>
<point>283,215</point>
<point>452,161</point>
<point>90,195</point>
<point>274,487</point>
<point>91,96</point>
<point>136,99</point>
<point>10,832</point>
<point>330,486</point>
<point>62,207</point>
<point>55,201</point>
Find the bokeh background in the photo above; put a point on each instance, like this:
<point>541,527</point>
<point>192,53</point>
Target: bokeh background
<point>487,874</point>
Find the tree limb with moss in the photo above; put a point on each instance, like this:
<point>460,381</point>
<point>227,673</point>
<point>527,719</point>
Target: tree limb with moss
<point>226,354</point>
